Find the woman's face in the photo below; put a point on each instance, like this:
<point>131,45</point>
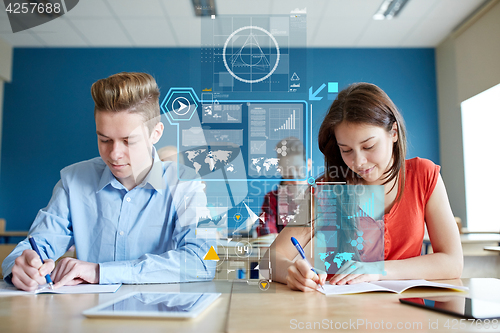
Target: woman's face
<point>366,149</point>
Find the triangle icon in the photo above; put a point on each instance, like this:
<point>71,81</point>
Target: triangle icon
<point>263,284</point>
<point>262,217</point>
<point>182,106</point>
<point>211,255</point>
<point>238,217</point>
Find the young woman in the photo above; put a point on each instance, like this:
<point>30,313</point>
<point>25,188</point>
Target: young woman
<point>363,139</point>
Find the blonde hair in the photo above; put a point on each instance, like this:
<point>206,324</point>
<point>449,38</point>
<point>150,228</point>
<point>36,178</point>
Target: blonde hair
<point>130,92</point>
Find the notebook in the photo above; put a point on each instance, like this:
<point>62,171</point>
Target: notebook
<point>394,286</point>
<point>7,289</point>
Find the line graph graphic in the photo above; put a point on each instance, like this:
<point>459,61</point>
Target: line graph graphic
<point>257,147</point>
<point>326,239</point>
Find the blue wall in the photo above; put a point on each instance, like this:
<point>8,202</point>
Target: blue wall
<point>48,118</point>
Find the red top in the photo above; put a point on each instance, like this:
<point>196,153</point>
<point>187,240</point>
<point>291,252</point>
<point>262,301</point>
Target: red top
<point>404,225</point>
<point>270,209</point>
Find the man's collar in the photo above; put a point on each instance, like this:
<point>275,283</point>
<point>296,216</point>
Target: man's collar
<point>154,178</point>
<point>107,177</point>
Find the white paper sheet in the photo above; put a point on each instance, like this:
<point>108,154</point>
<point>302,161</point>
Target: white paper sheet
<point>9,290</point>
<point>395,286</point>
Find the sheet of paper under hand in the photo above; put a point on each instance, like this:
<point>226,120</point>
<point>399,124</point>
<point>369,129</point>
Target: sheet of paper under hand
<point>394,286</point>
<point>9,290</point>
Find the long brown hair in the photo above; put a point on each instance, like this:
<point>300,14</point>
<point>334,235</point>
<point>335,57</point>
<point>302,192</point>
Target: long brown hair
<point>362,103</point>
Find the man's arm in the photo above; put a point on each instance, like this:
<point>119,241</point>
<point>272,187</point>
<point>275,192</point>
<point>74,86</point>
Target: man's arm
<point>183,264</point>
<point>51,230</point>
<point>183,261</point>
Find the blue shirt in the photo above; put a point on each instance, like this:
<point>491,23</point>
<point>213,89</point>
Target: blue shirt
<point>145,235</point>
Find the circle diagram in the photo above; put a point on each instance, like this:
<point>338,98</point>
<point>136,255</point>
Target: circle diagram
<point>264,285</point>
<point>250,59</point>
<point>243,249</point>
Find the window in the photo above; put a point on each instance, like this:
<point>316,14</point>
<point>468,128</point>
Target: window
<point>481,139</point>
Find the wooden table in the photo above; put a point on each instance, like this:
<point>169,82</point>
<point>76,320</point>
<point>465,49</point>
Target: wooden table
<point>63,313</point>
<point>242,308</point>
<point>285,311</point>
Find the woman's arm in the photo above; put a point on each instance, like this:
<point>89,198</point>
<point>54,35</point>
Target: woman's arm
<point>447,260</point>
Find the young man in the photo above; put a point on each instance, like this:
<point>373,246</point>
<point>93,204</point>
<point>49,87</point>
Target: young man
<point>128,215</point>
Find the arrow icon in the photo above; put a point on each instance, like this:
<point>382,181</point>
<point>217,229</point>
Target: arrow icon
<point>313,97</point>
<point>182,106</point>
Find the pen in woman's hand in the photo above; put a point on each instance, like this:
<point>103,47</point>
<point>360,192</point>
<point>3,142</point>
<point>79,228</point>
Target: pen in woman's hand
<point>299,248</point>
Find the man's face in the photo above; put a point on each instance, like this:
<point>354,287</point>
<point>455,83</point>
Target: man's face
<point>125,145</point>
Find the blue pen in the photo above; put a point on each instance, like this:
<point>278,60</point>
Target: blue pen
<point>303,255</point>
<point>35,248</point>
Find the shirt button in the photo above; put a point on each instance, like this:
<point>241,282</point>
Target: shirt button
<point>128,199</point>
<point>121,233</point>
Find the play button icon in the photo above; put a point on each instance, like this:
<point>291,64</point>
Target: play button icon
<point>181,106</point>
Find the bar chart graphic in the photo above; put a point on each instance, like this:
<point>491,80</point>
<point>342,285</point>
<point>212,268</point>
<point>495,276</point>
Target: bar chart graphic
<point>289,123</point>
<point>284,122</point>
<point>366,209</point>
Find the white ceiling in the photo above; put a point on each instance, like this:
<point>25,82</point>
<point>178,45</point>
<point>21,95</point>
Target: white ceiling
<point>172,23</point>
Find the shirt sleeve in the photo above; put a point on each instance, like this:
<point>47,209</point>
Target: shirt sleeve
<point>431,176</point>
<point>52,231</point>
<point>185,262</point>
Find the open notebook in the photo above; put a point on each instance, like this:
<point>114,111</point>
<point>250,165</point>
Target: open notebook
<point>393,286</point>
<point>9,290</point>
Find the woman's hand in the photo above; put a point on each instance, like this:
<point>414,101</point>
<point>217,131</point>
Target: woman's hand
<point>301,277</point>
<point>355,272</point>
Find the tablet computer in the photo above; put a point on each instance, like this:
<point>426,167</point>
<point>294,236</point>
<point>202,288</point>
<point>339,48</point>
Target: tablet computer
<point>154,305</point>
<point>458,305</point>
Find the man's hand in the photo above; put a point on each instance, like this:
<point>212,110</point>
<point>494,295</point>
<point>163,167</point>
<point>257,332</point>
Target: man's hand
<point>29,271</point>
<point>356,271</point>
<point>70,272</point>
